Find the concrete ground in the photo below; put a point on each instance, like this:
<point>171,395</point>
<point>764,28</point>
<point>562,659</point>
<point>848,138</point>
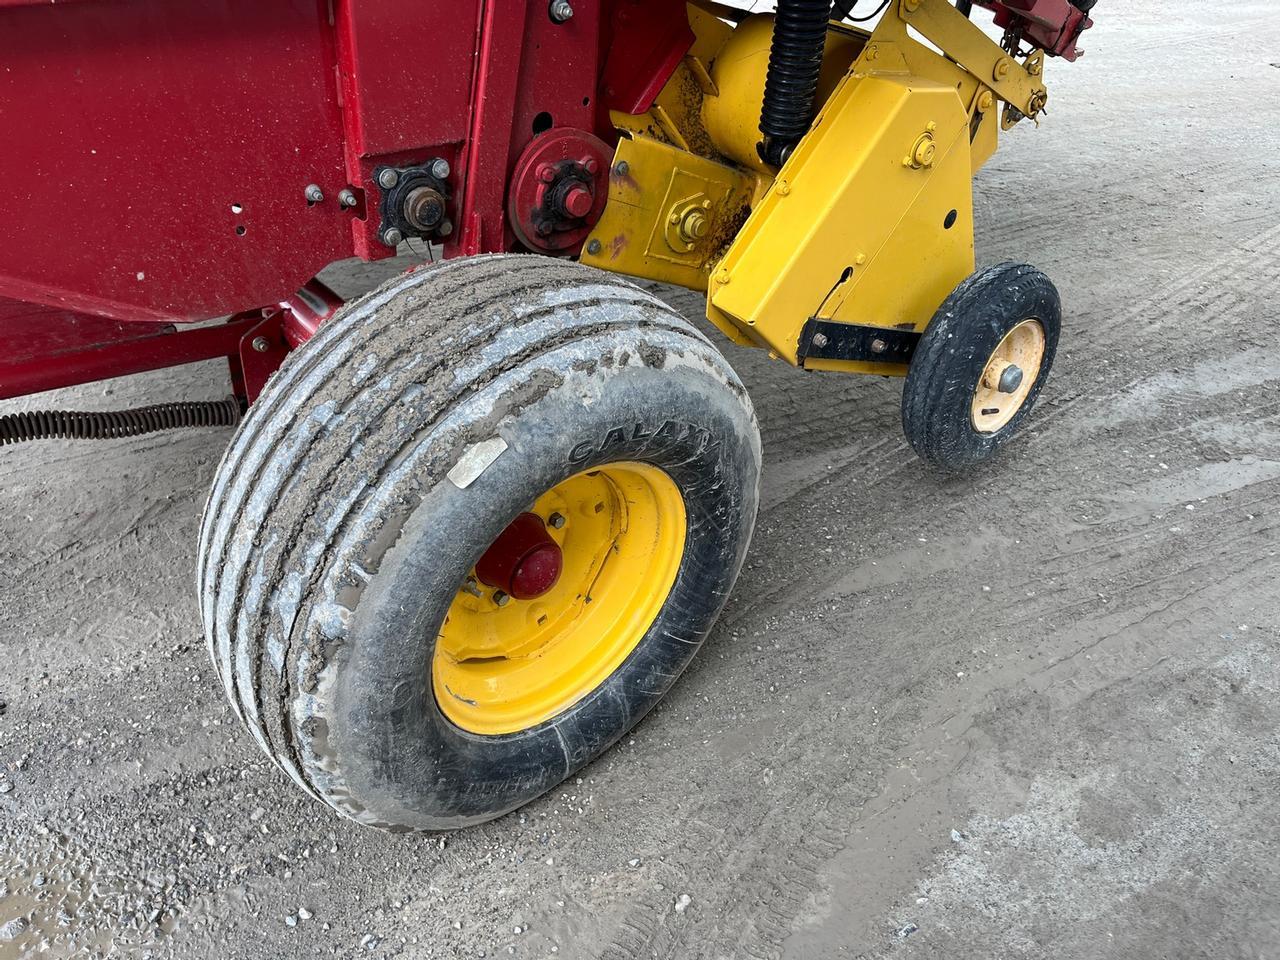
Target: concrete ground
<point>1028,714</point>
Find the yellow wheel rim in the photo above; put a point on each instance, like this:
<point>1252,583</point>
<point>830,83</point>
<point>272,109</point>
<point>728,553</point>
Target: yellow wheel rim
<point>502,665</point>
<point>1021,348</point>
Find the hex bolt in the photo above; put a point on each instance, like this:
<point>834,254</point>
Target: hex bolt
<point>878,346</point>
<point>440,168</point>
<point>561,10</point>
<point>346,198</point>
<point>392,236</point>
<point>261,344</point>
<point>622,169</point>
<point>819,340</point>
<point>593,247</point>
<point>313,193</point>
<point>555,521</point>
<point>388,178</point>
<point>445,228</point>
<point>1010,379</point>
<point>500,598</point>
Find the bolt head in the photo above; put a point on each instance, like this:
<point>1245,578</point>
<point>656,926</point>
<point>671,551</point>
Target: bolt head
<point>819,340</point>
<point>347,199</point>
<point>313,193</point>
<point>555,521</point>
<point>593,247</point>
<point>500,598</point>
<point>440,168</point>
<point>445,228</point>
<point>878,346</point>
<point>1010,378</point>
<point>623,169</point>
<point>261,344</point>
<point>578,201</point>
<point>561,10</point>
<point>392,236</point>
<point>388,178</point>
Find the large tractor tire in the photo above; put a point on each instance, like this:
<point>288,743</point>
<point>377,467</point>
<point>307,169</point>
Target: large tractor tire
<point>471,533</point>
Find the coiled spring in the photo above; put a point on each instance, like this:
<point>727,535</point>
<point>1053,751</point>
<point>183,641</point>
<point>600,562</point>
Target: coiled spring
<point>109,424</point>
<point>795,60</point>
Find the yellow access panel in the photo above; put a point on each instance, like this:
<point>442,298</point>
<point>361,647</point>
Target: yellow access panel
<point>869,222</point>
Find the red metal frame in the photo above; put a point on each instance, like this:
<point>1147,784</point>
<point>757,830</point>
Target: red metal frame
<point>157,155</point>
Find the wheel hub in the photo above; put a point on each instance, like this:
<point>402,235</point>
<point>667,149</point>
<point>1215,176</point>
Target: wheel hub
<point>524,561</point>
<point>559,599</point>
<point>1007,379</point>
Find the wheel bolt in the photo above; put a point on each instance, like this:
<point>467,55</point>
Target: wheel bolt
<point>555,521</point>
<point>388,178</point>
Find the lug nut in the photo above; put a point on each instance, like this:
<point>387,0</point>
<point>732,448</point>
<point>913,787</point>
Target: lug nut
<point>555,521</point>
<point>392,236</point>
<point>346,199</point>
<point>561,10</point>
<point>388,178</point>
<point>500,598</point>
<point>313,193</point>
<point>440,168</point>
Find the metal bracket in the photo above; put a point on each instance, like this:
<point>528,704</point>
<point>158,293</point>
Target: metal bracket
<point>829,340</point>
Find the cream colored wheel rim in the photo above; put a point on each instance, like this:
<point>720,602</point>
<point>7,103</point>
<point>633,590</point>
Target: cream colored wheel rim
<point>1022,347</point>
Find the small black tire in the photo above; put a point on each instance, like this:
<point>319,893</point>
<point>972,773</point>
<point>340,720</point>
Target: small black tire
<point>339,528</point>
<point>939,399</point>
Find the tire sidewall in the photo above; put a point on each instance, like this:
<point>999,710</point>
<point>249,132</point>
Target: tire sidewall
<point>403,762</point>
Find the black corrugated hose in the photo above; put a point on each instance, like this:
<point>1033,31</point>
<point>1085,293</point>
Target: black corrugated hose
<point>108,424</point>
<point>795,58</point>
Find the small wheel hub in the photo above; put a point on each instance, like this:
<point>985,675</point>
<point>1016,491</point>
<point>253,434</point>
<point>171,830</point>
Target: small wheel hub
<point>1008,377</point>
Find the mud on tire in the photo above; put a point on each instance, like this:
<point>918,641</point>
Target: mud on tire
<point>334,539</point>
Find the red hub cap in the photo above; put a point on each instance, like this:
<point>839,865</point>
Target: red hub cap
<point>524,562</point>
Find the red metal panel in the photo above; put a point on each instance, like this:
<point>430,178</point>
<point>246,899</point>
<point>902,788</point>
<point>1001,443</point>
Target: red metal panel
<point>156,154</point>
<point>487,158</point>
<point>47,348</point>
<point>647,41</point>
<point>407,72</point>
<point>534,74</point>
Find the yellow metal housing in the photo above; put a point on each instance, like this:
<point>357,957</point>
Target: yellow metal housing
<point>731,112</point>
<point>869,221</point>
